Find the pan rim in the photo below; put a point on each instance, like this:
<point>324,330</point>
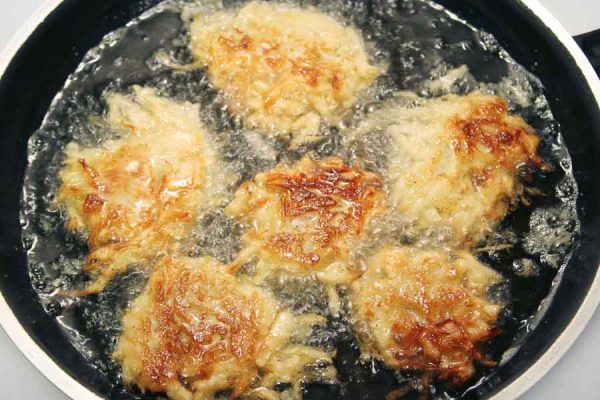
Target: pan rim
<point>8,320</point>
<point>536,371</point>
<point>76,390</point>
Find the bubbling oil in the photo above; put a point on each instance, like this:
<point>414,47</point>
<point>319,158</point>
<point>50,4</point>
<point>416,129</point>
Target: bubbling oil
<point>427,52</point>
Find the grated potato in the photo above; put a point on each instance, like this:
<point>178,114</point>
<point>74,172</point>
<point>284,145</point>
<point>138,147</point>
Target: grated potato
<point>454,164</point>
<point>196,331</point>
<point>284,69</point>
<point>307,218</point>
<point>136,196</point>
<point>425,310</point>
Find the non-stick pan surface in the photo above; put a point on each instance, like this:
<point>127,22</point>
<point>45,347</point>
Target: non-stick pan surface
<point>53,51</point>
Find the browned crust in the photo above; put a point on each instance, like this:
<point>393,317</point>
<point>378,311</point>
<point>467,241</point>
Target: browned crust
<point>508,138</point>
<point>340,195</point>
<point>421,347</point>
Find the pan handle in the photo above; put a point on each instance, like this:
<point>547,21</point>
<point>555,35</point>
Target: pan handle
<point>590,44</point>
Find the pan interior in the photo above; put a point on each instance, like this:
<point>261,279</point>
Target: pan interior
<point>421,42</point>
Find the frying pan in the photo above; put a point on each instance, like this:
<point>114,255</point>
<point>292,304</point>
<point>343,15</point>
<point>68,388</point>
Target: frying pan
<point>36,64</point>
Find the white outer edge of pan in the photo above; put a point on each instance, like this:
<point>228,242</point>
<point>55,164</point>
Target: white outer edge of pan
<point>75,390</point>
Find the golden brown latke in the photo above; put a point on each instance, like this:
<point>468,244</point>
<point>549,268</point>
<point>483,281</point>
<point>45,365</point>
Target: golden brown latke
<point>425,310</point>
<point>307,218</point>
<point>196,330</point>
<point>283,68</point>
<point>455,164</point>
<point>137,196</point>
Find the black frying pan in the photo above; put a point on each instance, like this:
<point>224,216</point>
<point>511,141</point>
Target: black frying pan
<point>41,66</point>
